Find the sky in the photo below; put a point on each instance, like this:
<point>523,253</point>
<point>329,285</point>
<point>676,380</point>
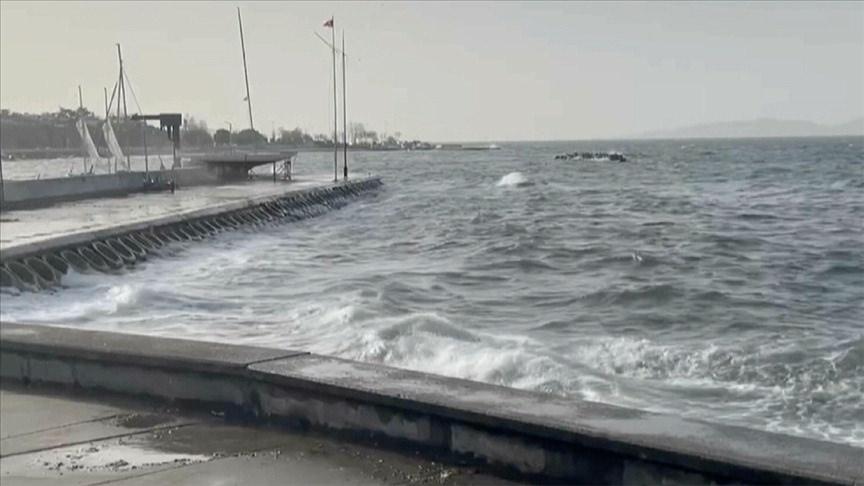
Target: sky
<point>443,71</point>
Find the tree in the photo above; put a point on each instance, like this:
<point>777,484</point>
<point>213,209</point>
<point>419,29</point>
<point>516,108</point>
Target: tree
<point>296,137</point>
<point>357,132</point>
<point>222,137</point>
<point>249,137</point>
<point>195,133</point>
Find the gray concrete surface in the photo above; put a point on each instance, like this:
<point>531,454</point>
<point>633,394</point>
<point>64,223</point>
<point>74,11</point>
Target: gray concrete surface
<point>75,438</point>
<point>36,227</point>
<point>535,434</point>
<point>130,348</point>
<point>666,439</point>
<point>19,194</point>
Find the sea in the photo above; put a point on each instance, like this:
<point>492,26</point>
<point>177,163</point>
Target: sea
<point>721,280</point>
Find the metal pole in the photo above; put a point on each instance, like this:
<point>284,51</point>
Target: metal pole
<point>146,159</point>
<point>230,131</point>
<point>245,70</point>
<point>119,84</point>
<point>111,101</point>
<point>122,87</point>
<point>80,106</point>
<point>344,116</point>
<point>106,121</point>
<point>335,108</point>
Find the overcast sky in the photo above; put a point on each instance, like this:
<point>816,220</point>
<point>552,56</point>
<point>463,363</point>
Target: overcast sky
<point>448,71</point>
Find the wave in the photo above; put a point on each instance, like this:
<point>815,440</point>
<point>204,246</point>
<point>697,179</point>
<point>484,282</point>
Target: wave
<point>513,179</point>
<point>652,294</point>
<point>843,269</point>
<point>429,342</point>
<point>354,328</point>
<point>71,306</point>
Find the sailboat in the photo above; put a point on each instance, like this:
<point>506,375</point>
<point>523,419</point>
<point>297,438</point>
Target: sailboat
<point>92,155</point>
<point>88,145</point>
<point>119,159</point>
<point>113,144</point>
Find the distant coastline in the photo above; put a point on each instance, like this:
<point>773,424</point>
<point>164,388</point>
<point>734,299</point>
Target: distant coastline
<point>760,128</point>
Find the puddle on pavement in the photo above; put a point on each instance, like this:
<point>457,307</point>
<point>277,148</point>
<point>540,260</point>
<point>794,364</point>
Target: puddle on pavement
<point>118,455</point>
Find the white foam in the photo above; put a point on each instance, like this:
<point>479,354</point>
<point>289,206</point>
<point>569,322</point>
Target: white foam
<point>513,179</point>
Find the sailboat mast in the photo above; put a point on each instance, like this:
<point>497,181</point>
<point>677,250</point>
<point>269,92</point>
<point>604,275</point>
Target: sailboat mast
<point>121,94</point>
<point>245,69</point>
<point>344,116</point>
<point>335,107</point>
<point>80,106</point>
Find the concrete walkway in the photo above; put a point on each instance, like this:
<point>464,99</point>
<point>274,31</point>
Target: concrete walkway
<point>27,226</point>
<point>51,438</point>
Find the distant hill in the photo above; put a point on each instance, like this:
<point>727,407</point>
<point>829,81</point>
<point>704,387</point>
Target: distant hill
<point>764,127</point>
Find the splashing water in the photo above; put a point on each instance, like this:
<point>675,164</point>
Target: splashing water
<point>513,179</point>
<point>722,282</point>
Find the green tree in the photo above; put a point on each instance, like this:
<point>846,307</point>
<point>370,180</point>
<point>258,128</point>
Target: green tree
<point>295,138</point>
<point>222,137</point>
<point>249,137</point>
<point>195,133</point>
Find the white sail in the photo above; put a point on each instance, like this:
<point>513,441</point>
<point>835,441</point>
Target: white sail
<point>86,140</point>
<point>111,141</point>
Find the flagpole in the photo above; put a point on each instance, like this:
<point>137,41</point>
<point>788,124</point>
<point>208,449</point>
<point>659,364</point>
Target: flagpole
<point>344,115</point>
<point>245,70</point>
<point>335,106</point>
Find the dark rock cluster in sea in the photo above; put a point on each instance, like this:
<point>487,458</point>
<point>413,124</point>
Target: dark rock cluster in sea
<point>604,156</point>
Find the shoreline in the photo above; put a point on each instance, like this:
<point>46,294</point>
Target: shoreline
<point>513,432</point>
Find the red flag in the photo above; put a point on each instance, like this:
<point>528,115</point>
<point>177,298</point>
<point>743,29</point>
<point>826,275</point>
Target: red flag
<point>329,23</point>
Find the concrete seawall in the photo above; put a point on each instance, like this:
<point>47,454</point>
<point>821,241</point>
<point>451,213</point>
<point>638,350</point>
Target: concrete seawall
<point>40,264</point>
<point>540,436</point>
<point>19,194</point>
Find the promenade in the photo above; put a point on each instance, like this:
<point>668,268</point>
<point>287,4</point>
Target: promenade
<point>51,436</point>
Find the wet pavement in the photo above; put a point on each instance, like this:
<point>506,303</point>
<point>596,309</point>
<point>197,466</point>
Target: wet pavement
<point>35,225</point>
<point>79,438</point>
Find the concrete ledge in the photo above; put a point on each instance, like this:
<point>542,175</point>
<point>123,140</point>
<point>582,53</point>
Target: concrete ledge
<point>33,193</point>
<point>117,348</point>
<point>534,434</point>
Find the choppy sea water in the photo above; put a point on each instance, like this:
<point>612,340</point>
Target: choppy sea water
<point>721,280</point>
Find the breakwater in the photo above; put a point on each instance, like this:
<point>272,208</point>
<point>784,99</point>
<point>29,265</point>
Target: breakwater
<point>42,265</point>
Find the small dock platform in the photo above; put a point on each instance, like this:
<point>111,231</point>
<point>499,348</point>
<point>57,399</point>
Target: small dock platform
<point>236,166</point>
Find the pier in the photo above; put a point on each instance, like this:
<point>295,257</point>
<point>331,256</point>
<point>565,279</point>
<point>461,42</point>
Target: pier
<point>202,169</point>
<point>39,246</point>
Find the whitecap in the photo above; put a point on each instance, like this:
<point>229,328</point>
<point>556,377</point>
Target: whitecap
<point>513,179</point>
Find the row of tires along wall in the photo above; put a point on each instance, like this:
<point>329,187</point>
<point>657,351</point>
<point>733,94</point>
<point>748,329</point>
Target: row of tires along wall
<point>117,253</point>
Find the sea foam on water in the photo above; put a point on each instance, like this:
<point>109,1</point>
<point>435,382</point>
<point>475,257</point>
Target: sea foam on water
<point>513,179</point>
<point>507,268</point>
